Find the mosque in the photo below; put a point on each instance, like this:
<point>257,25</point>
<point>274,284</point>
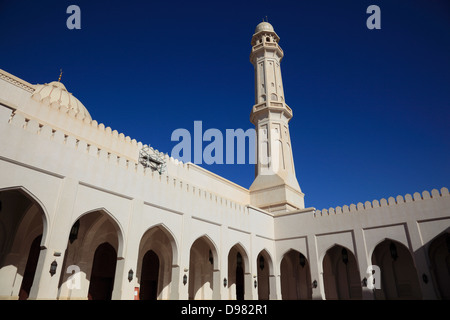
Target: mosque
<point>89,213</point>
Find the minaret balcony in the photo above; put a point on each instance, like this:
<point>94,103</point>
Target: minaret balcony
<point>268,107</point>
<point>266,47</point>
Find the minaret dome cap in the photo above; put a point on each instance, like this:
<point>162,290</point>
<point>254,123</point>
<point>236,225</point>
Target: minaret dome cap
<point>264,26</point>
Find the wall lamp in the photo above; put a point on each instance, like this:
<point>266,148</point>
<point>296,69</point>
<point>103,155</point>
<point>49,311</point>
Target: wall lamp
<point>53,267</point>
<point>130,275</point>
<point>364,282</point>
<point>225,282</point>
<point>184,279</point>
<point>314,284</point>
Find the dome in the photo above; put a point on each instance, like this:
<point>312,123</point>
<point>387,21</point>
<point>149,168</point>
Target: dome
<point>56,92</point>
<point>264,26</point>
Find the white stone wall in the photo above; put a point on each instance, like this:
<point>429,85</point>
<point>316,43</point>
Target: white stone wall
<point>72,168</point>
<point>413,221</point>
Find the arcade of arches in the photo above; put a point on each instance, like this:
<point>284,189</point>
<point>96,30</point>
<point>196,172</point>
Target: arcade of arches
<point>93,245</point>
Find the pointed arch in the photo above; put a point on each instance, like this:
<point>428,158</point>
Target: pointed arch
<point>264,266</point>
<point>170,236</point>
<point>24,221</point>
<point>396,240</point>
<point>331,246</point>
<point>154,270</point>
<point>34,199</point>
<point>213,246</point>
<point>96,227</point>
<point>341,276</point>
<point>399,278</point>
<point>239,276</point>
<point>267,258</point>
<point>295,276</point>
<point>203,269</point>
<point>104,215</point>
<point>244,253</point>
<point>439,255</point>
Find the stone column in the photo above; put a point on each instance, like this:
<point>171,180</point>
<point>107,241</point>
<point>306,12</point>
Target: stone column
<point>274,287</point>
<point>250,291</point>
<point>421,261</point>
<point>315,268</point>
<point>364,261</point>
<point>45,285</point>
<point>216,285</point>
<point>8,277</point>
<point>175,285</point>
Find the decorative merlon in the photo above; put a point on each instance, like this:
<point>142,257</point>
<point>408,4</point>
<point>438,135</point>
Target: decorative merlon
<point>391,201</point>
<point>46,132</point>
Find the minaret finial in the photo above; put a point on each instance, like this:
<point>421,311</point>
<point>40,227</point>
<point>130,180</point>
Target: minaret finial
<point>60,75</point>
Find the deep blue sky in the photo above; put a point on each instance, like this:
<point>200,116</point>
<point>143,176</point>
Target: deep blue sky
<point>371,107</point>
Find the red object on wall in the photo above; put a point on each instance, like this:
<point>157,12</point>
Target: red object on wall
<point>136,293</point>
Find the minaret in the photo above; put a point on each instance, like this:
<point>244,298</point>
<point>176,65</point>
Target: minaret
<point>275,187</point>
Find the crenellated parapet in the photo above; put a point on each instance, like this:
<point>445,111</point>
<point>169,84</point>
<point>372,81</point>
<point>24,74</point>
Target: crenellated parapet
<point>390,202</point>
<point>176,179</point>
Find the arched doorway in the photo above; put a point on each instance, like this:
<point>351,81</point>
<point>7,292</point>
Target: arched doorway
<point>295,277</point>
<point>149,276</point>
<point>93,247</point>
<point>398,273</point>
<point>22,228</point>
<point>341,274</point>
<point>157,251</point>
<point>103,271</point>
<point>202,259</point>
<point>263,277</point>
<point>439,252</point>
<point>237,273</point>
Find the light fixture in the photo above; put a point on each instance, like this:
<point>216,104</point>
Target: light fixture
<point>53,267</point>
<point>225,282</point>
<point>255,284</point>
<point>302,260</point>
<point>314,284</point>
<point>74,231</point>
<point>393,250</point>
<point>261,262</point>
<point>344,255</point>
<point>130,275</point>
<point>184,279</point>
<point>364,282</point>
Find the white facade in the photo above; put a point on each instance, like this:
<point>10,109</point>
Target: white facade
<point>188,233</point>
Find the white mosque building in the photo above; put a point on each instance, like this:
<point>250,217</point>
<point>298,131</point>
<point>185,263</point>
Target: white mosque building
<point>83,216</point>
